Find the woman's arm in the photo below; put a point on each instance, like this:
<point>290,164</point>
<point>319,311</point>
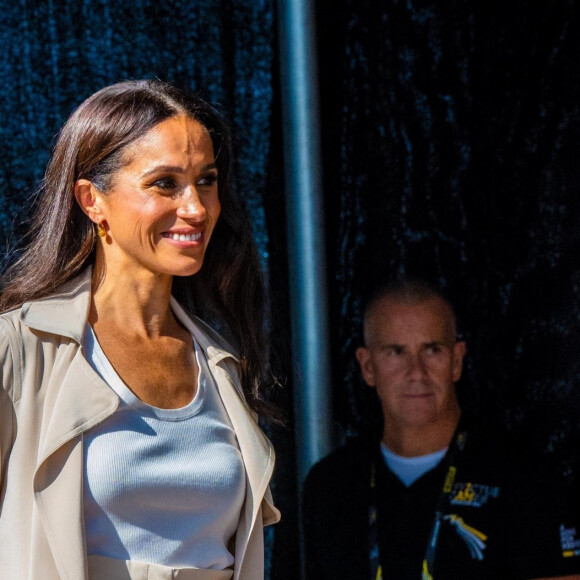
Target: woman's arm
<point>8,373</point>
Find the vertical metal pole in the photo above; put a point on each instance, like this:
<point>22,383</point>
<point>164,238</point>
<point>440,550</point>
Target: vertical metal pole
<point>306,247</point>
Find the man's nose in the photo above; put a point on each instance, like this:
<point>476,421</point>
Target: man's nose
<point>416,366</point>
<point>191,206</point>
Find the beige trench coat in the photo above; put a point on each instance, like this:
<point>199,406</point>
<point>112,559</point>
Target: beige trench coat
<point>50,396</point>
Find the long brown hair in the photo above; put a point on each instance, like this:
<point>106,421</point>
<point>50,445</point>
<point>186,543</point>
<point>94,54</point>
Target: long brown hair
<point>61,241</point>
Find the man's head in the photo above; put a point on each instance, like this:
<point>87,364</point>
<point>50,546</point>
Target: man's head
<point>411,355</point>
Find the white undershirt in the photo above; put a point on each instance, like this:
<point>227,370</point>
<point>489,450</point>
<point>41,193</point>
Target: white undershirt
<point>410,469</point>
<point>163,486</point>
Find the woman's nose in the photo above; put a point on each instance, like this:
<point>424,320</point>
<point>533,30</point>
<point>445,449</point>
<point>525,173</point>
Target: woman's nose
<point>190,206</point>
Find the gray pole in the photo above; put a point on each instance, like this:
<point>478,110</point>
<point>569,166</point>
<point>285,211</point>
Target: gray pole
<point>307,268</point>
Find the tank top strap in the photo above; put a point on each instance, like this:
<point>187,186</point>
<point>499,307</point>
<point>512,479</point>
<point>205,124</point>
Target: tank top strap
<point>103,568</point>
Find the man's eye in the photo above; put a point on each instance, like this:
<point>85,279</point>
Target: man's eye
<point>208,180</point>
<point>394,351</point>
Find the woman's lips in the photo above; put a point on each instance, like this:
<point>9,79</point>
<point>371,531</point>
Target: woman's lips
<point>178,237</point>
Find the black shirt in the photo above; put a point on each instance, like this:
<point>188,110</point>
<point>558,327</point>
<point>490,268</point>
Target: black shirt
<point>501,519</point>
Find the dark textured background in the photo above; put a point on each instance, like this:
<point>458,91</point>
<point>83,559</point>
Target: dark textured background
<point>55,53</point>
<point>451,151</point>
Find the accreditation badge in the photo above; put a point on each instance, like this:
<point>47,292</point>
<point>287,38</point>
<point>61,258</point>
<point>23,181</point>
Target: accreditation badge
<point>569,541</point>
<point>472,494</point>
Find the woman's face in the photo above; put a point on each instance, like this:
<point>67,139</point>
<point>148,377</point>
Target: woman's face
<point>163,205</point>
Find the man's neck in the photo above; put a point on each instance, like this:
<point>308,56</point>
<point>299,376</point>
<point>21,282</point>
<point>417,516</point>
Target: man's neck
<point>410,441</point>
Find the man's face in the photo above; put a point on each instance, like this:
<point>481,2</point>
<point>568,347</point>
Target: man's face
<point>413,360</point>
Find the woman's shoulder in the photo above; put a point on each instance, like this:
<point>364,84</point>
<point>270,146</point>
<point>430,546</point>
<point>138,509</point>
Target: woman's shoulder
<point>11,352</point>
<point>62,313</point>
<point>206,335</point>
<point>214,337</point>
<point>10,328</point>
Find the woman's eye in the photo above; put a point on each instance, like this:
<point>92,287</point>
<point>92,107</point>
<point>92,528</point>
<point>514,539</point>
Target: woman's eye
<point>166,183</point>
<point>208,180</point>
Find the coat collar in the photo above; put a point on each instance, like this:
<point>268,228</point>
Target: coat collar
<point>64,313</point>
<point>215,347</point>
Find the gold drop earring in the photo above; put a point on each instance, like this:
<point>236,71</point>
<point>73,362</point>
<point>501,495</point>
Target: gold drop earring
<point>101,231</point>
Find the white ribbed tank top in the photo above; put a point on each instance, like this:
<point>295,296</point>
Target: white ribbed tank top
<point>164,486</point>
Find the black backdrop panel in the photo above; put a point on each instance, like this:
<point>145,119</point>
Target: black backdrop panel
<point>451,147</point>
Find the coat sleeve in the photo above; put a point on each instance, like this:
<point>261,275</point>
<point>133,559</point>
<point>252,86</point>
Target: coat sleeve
<point>9,389</point>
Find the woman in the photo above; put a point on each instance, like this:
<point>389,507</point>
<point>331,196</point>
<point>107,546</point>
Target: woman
<point>129,445</point>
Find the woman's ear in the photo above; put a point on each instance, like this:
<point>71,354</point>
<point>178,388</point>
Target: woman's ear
<point>89,199</point>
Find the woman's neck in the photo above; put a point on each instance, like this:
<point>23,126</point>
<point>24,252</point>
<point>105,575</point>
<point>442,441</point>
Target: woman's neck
<point>141,303</point>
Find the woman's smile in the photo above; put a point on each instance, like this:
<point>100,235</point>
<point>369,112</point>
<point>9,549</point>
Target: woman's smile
<point>183,239</point>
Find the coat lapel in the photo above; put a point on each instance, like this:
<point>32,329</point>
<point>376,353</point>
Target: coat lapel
<point>259,458</point>
<point>256,449</point>
<point>82,402</point>
<point>75,399</point>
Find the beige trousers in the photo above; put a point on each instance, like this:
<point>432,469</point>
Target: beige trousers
<point>101,568</point>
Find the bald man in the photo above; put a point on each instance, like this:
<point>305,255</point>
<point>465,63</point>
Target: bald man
<point>440,495</point>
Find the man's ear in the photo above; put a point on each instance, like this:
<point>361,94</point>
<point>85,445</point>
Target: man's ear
<point>363,356</point>
<point>459,350</point>
<point>89,199</point>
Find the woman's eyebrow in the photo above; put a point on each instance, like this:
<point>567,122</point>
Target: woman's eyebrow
<point>176,169</point>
